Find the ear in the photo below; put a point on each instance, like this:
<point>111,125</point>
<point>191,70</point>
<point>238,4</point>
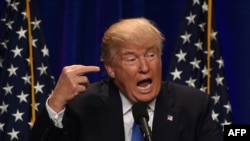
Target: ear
<point>110,70</point>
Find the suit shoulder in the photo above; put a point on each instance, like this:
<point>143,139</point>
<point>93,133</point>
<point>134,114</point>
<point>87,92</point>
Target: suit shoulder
<point>97,87</point>
<point>180,88</point>
<point>184,92</point>
<point>98,91</point>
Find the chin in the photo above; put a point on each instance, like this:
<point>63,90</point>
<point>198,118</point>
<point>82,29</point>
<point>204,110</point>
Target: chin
<point>147,98</point>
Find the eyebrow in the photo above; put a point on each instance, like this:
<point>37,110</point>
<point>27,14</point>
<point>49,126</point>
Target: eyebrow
<point>127,53</point>
<point>133,52</point>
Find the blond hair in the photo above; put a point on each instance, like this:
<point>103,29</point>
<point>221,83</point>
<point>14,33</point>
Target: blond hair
<point>129,31</point>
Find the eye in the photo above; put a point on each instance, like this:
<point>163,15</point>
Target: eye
<point>129,60</point>
<point>150,56</point>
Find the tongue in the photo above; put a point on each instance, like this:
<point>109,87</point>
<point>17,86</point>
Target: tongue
<point>143,83</point>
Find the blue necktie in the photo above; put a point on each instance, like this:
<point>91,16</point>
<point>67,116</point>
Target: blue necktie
<point>137,133</point>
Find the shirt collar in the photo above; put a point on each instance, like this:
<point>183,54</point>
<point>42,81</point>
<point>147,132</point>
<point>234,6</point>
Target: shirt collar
<point>126,104</point>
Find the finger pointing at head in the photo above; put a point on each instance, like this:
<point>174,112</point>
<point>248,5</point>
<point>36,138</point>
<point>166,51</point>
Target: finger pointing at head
<point>82,70</point>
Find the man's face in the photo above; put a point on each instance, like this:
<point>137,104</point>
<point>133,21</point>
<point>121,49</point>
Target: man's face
<point>137,71</point>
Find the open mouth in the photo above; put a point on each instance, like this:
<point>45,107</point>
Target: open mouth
<point>144,84</point>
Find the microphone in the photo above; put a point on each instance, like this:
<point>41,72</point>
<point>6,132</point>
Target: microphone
<point>141,117</point>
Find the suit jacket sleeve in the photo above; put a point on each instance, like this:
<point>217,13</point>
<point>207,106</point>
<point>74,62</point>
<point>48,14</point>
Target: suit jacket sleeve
<point>207,128</point>
<point>44,129</point>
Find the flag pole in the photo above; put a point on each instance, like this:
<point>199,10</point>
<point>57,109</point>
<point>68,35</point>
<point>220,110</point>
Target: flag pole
<point>209,25</point>
<point>33,101</point>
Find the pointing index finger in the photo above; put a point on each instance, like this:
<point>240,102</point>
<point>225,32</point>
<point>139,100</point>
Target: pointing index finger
<point>92,69</point>
<point>88,69</point>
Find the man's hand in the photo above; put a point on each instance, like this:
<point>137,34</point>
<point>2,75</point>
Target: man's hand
<point>71,82</point>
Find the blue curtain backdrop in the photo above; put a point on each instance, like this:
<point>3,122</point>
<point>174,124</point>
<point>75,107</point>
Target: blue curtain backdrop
<point>74,28</point>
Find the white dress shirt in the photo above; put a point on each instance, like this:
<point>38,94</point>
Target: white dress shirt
<point>56,117</point>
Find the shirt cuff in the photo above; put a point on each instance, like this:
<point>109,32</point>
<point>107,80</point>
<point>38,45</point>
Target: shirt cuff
<point>56,117</point>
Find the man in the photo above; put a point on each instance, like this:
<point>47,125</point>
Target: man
<point>131,53</point>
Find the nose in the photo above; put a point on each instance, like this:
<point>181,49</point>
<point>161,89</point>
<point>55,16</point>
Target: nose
<point>143,65</point>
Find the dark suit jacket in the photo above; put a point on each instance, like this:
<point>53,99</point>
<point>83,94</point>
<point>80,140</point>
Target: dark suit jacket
<point>181,114</point>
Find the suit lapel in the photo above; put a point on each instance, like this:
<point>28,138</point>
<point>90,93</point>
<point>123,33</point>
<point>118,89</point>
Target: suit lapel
<point>111,116</point>
<point>166,117</point>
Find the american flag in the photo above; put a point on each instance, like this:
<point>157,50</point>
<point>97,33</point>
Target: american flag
<point>16,71</point>
<point>190,65</point>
